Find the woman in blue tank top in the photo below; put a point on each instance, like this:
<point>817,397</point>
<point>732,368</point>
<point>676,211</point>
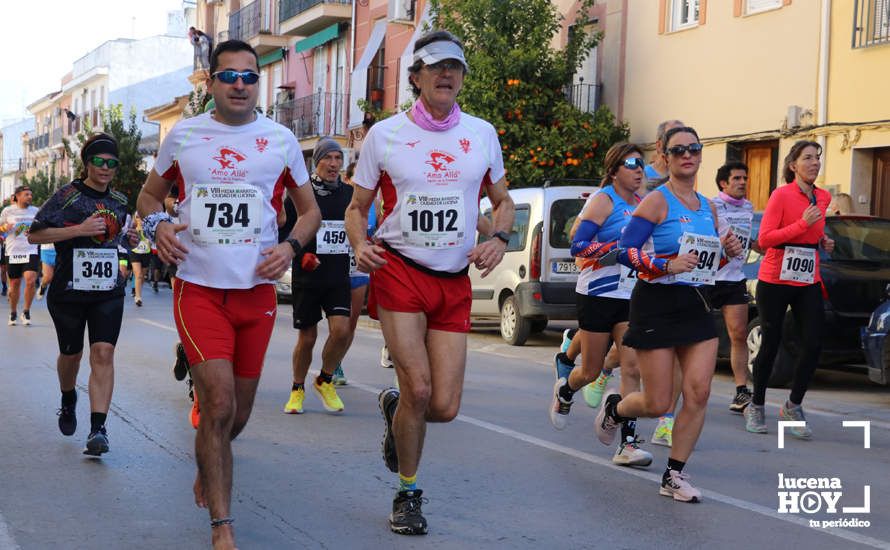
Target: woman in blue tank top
<point>603,293</point>
<point>669,310</point>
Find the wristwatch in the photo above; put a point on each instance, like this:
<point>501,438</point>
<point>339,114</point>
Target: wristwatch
<point>295,244</point>
<point>502,235</point>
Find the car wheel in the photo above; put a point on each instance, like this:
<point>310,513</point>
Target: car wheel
<point>538,325</point>
<point>514,327</point>
<point>783,366</point>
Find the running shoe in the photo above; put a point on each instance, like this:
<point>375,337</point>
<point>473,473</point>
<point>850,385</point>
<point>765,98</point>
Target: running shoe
<point>593,392</point>
<point>629,453</point>
<point>68,418</point>
<point>181,366</point>
<point>41,290</point>
<point>295,403</point>
<point>328,396</point>
<point>563,370</point>
<point>567,336</point>
<point>97,443</point>
<point>385,358</point>
<point>664,431</point>
<point>677,485</point>
<point>12,318</point>
<point>559,409</point>
<point>154,286</point>
<point>387,401</point>
<point>742,399</point>
<point>339,379</point>
<point>407,517</point>
<point>195,412</point>
<point>755,419</point>
<point>138,302</point>
<point>26,318</point>
<point>795,412</point>
<point>605,425</point>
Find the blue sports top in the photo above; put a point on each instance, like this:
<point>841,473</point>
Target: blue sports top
<point>596,280</point>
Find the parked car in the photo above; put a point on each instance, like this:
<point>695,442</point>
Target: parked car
<point>875,343</point>
<point>283,287</point>
<point>535,282</point>
<point>854,277</point>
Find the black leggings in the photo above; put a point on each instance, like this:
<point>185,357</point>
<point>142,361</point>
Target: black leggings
<point>72,318</point>
<point>809,316</point>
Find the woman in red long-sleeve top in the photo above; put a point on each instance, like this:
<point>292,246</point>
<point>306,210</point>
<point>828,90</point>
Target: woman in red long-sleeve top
<point>792,230</point>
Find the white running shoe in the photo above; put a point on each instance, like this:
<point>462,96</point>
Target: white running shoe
<point>629,453</point>
<point>385,358</point>
<point>559,409</point>
<point>604,424</point>
<point>678,486</point>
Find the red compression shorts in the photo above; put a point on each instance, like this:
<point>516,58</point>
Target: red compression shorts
<point>398,286</point>
<point>234,325</point>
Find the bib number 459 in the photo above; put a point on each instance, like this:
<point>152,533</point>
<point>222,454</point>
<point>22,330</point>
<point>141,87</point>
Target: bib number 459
<point>222,215</point>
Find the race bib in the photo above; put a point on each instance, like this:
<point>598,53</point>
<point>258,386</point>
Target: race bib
<point>353,265</point>
<point>628,279</point>
<point>708,249</point>
<point>331,238</point>
<point>433,220</point>
<point>94,268</point>
<point>798,264</point>
<point>19,258</point>
<point>741,228</point>
<point>225,215</point>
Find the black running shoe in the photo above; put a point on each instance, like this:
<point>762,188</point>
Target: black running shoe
<point>387,401</point>
<point>154,286</point>
<point>406,517</point>
<point>181,367</point>
<point>68,418</point>
<point>97,443</point>
<point>741,401</point>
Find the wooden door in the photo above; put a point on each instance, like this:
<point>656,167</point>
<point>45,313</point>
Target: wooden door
<point>880,190</point>
<point>759,161</point>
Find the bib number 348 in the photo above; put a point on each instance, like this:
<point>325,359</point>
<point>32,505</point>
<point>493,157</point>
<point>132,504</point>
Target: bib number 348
<point>94,269</point>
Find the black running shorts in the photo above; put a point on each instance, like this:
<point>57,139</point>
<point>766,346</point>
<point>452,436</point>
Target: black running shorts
<point>729,293</point>
<point>597,314</point>
<point>71,318</point>
<point>15,271</point>
<point>309,302</point>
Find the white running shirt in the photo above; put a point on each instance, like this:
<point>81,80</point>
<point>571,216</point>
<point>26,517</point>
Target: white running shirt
<point>19,220</point>
<point>431,183</point>
<point>740,219</point>
<point>231,184</point>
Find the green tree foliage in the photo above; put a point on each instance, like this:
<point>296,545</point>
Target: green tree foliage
<point>42,186</point>
<point>518,83</point>
<point>131,173</point>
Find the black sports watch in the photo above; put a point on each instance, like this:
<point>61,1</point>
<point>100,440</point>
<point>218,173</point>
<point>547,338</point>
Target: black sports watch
<point>295,244</point>
<point>502,235</point>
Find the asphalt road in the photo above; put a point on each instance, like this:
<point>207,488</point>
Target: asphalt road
<point>497,477</point>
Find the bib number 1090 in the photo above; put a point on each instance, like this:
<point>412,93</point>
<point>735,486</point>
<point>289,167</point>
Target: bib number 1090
<point>222,215</point>
<point>800,264</point>
<point>439,221</point>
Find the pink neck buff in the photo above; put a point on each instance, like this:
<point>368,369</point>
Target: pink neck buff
<point>731,200</point>
<point>425,120</point>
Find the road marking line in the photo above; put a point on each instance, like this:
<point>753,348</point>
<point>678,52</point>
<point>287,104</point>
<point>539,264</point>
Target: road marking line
<point>158,325</point>
<point>7,542</point>
<point>593,459</point>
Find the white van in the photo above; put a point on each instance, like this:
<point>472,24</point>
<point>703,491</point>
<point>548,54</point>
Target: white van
<point>535,283</point>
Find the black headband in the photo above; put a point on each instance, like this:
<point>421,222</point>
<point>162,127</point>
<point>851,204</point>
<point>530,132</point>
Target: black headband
<point>100,146</point>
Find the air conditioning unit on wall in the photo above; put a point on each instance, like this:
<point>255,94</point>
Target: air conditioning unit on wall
<point>792,118</point>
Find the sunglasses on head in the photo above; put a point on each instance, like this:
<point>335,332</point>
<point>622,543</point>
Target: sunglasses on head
<point>230,76</point>
<point>633,163</point>
<point>680,150</point>
<point>99,162</point>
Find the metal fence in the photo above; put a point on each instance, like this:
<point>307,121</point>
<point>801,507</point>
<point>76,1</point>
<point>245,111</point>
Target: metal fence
<point>246,22</point>
<point>290,8</point>
<point>320,114</point>
<point>871,23</point>
<point>585,97</point>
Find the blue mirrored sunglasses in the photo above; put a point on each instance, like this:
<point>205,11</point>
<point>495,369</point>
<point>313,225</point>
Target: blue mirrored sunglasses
<point>633,163</point>
<point>230,76</point>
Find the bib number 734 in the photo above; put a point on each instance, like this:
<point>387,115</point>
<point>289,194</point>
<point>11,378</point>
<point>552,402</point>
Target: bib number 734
<point>221,214</point>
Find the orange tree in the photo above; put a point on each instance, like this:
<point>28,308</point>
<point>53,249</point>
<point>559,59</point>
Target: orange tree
<point>518,83</point>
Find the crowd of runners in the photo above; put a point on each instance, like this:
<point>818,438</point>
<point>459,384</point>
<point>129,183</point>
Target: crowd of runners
<point>656,258</point>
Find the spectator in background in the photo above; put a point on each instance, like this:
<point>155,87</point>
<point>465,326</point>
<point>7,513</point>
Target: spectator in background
<point>841,205</point>
<point>657,171</point>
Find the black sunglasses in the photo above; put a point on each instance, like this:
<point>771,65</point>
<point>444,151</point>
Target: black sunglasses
<point>633,163</point>
<point>680,150</point>
<point>230,76</point>
<point>99,162</point>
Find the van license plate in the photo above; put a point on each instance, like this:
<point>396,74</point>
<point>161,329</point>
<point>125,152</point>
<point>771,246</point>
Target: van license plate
<point>565,267</point>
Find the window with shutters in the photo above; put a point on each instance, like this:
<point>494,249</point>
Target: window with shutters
<point>871,23</point>
<point>757,6</point>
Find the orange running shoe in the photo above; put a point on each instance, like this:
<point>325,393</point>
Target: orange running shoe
<point>195,414</point>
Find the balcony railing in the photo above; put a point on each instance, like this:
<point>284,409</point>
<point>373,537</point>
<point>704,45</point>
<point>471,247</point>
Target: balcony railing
<point>246,23</point>
<point>585,97</point>
<point>321,114</point>
<point>57,137</point>
<point>871,23</point>
<point>39,142</point>
<point>290,8</point>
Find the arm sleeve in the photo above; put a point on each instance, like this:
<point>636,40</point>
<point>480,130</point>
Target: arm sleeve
<point>770,233</point>
<point>583,245</point>
<point>637,232</point>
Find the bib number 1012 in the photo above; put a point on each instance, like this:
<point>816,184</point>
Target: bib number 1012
<point>222,215</point>
<point>439,221</point>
